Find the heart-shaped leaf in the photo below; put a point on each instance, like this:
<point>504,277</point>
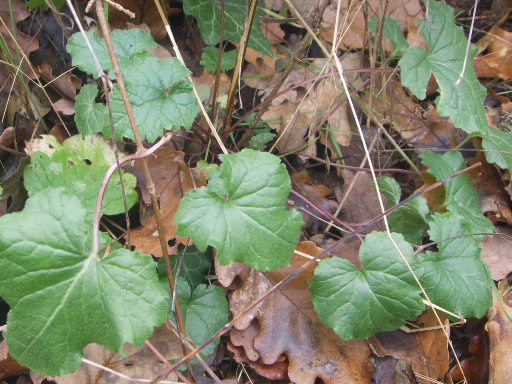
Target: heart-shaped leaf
<point>357,303</point>
<point>242,212</point>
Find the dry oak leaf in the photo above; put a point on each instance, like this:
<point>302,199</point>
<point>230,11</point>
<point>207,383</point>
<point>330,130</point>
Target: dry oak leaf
<point>172,180</point>
<point>496,253</point>
<point>285,327</point>
<point>426,351</point>
<point>292,127</point>
<point>361,202</point>
<point>489,185</point>
<point>495,60</point>
<point>499,328</point>
<point>140,363</point>
<point>354,29</point>
<point>421,128</point>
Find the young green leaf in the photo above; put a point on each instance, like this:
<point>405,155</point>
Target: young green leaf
<point>462,100</point>
<point>91,117</point>
<point>208,16</point>
<point>242,212</point>
<point>455,277</point>
<point>357,303</point>
<point>161,97</point>
<point>79,165</point>
<point>393,31</point>
<point>260,139</point>
<point>409,219</point>
<point>159,92</point>
<point>63,298</point>
<point>210,57</point>
<point>191,267</point>
<point>461,197</point>
<point>205,310</point>
<point>128,44</point>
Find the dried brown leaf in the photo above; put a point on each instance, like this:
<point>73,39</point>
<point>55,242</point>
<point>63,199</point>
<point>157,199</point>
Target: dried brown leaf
<point>172,180</point>
<point>353,25</point>
<point>141,363</point>
<point>145,12</point>
<point>8,366</point>
<point>426,351</point>
<point>495,60</point>
<point>493,198</point>
<point>499,328</point>
<point>285,327</point>
<point>496,253</point>
<point>361,202</point>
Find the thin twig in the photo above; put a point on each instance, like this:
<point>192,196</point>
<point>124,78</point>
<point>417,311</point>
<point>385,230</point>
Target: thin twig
<point>218,74</point>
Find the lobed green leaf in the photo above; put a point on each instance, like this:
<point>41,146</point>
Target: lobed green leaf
<point>461,197</point>
<point>455,277</point>
<point>79,165</point>
<point>242,212</point>
<point>461,98</point>
<point>63,298</point>
<point>208,16</point>
<point>410,218</point>
<point>357,303</point>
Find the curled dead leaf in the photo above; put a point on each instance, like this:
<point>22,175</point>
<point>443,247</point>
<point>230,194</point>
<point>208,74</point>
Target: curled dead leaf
<point>495,60</point>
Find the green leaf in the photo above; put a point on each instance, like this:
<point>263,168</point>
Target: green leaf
<point>461,197</point>
<point>208,16</point>
<point>205,310</point>
<point>463,101</point>
<point>79,165</point>
<point>455,278</point>
<point>91,117</point>
<point>161,97</point>
<point>393,31</point>
<point>128,44</point>
<point>409,219</point>
<point>260,139</point>
<point>242,212</point>
<point>379,297</point>
<point>61,297</point>
<point>33,4</point>
<point>210,57</point>
<point>159,92</point>
<point>191,267</point>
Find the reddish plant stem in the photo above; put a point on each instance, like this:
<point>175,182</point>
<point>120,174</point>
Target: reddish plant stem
<point>325,213</point>
<point>306,265</point>
<point>395,170</point>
